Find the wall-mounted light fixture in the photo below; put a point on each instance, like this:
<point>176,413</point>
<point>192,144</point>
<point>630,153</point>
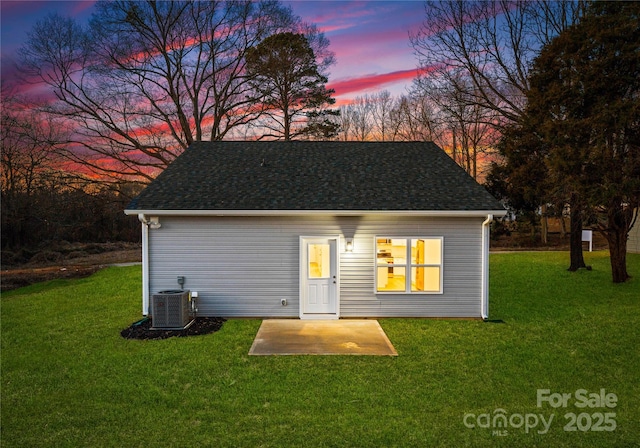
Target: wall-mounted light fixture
<point>349,244</point>
<point>154,222</point>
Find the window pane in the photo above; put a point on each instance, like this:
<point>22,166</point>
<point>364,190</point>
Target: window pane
<point>319,263</point>
<point>391,278</point>
<point>391,251</point>
<point>425,279</point>
<point>383,251</point>
<point>426,251</point>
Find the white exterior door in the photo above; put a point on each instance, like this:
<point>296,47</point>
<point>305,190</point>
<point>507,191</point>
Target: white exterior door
<point>319,278</point>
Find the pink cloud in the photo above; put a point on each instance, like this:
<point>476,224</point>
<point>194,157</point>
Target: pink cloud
<point>371,81</point>
<point>81,7</point>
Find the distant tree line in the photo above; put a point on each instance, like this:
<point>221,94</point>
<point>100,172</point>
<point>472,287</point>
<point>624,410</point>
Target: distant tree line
<point>42,201</point>
<point>52,211</point>
<point>418,117</point>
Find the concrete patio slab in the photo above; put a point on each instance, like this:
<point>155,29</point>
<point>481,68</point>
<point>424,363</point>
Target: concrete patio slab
<point>321,337</point>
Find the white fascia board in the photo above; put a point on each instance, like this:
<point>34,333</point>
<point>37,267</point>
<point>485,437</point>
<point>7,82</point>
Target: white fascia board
<point>432,213</point>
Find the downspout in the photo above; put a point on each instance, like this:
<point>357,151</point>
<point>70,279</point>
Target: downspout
<point>484,292</point>
<point>145,264</point>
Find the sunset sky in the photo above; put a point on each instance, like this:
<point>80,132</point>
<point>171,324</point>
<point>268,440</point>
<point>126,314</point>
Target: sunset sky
<point>370,38</point>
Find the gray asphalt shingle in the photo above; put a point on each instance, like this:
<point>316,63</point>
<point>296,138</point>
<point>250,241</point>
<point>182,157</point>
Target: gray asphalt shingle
<point>314,176</point>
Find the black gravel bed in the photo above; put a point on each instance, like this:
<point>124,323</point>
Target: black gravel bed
<point>142,329</point>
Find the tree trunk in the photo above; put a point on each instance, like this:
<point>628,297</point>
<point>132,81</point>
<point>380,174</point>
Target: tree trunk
<point>619,221</point>
<point>475,161</point>
<point>287,125</point>
<point>454,148</point>
<point>575,236</point>
<point>618,255</point>
<point>544,223</point>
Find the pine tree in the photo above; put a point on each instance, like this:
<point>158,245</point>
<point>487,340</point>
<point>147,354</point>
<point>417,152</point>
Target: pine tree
<point>288,82</point>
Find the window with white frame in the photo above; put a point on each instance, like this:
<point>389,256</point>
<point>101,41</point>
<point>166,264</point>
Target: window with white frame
<point>409,265</point>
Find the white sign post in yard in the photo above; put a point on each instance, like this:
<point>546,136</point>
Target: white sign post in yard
<point>587,235</point>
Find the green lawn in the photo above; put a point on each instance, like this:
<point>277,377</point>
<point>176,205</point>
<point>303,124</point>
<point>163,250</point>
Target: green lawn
<point>69,379</point>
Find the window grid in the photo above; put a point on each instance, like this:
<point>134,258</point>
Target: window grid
<point>408,265</point>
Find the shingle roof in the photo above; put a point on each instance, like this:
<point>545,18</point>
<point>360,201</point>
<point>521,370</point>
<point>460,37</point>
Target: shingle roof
<point>314,176</point>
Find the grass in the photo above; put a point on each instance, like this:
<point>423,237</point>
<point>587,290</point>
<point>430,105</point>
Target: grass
<point>69,379</point>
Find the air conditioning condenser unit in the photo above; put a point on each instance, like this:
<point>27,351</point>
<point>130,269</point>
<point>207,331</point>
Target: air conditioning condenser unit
<point>171,310</point>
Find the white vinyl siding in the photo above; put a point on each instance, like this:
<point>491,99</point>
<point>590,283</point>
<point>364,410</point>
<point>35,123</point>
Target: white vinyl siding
<point>245,266</point>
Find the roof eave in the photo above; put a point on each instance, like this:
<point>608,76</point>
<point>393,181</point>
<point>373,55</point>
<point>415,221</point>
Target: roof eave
<point>430,213</point>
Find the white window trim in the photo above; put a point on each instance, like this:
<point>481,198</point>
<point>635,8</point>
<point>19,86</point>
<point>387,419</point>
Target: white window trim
<point>408,265</point>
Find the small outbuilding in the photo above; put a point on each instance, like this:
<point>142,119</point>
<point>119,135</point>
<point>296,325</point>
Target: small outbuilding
<point>318,230</point>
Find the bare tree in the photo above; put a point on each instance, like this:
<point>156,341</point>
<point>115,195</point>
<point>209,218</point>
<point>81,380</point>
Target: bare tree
<point>345,122</point>
<point>146,79</point>
<point>492,43</point>
<point>468,129</point>
<point>381,116</point>
<point>29,143</point>
<point>381,103</point>
<point>361,119</point>
<point>27,163</point>
<point>413,119</point>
